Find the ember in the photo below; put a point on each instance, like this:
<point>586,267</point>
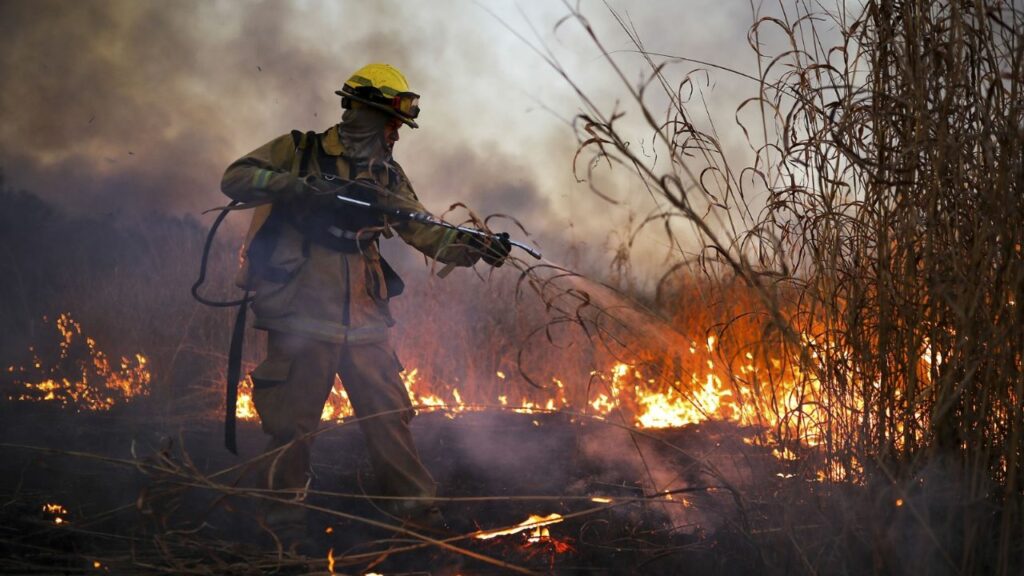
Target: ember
<point>56,511</point>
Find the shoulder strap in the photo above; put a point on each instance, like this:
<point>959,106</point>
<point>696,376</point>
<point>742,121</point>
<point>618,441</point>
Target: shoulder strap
<point>328,164</point>
<point>300,162</point>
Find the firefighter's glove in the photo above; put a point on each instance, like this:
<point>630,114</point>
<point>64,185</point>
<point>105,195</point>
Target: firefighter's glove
<point>314,192</point>
<point>493,250</point>
<point>361,189</point>
<point>285,187</point>
<point>292,189</point>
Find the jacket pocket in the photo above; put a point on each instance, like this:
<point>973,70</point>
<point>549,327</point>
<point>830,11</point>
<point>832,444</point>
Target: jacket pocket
<point>392,281</point>
<point>276,282</point>
<point>270,373</point>
<point>376,285</point>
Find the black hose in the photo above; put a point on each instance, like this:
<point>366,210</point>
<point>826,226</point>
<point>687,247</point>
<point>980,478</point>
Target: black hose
<point>206,257</point>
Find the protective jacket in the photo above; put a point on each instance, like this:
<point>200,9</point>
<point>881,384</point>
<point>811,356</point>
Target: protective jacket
<point>316,270</point>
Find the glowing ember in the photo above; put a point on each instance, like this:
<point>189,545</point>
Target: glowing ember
<point>57,511</point>
<point>82,377</point>
<point>54,509</point>
<point>534,524</point>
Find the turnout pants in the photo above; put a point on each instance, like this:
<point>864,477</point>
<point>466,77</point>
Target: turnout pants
<point>289,391</point>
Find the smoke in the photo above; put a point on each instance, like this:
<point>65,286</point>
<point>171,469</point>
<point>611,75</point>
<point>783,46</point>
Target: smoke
<point>137,107</point>
<point>121,107</point>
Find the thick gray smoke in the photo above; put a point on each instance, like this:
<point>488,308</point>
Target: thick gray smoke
<point>133,107</point>
<point>122,107</point>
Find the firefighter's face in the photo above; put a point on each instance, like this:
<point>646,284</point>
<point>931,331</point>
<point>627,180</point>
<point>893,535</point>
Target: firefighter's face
<point>391,132</point>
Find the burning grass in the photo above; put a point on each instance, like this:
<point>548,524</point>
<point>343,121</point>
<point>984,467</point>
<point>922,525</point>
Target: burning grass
<point>624,397</point>
<point>879,227</point>
<point>661,391</point>
<point>79,375</point>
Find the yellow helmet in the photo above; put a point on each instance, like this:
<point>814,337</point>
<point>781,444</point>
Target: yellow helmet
<point>383,87</point>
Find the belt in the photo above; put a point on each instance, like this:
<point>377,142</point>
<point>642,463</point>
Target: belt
<point>352,235</point>
<point>347,241</point>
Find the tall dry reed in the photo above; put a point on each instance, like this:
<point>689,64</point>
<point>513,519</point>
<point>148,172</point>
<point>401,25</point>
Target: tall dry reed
<point>880,224</point>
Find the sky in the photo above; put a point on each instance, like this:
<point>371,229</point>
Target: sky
<point>127,107</point>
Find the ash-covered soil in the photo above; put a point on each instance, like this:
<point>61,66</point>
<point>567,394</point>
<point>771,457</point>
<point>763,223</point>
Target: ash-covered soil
<point>143,494</point>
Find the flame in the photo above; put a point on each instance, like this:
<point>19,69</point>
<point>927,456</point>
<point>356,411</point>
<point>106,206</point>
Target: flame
<point>697,381</point>
<point>710,388</point>
<point>54,509</point>
<point>538,535</point>
<point>57,511</point>
<point>630,390</point>
<point>245,409</point>
<point>82,377</point>
<point>534,524</point>
<point>330,560</point>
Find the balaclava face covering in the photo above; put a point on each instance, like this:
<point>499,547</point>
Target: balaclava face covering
<point>362,134</point>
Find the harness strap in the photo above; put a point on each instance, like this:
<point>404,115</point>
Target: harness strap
<point>300,162</point>
<point>234,374</point>
<point>328,164</point>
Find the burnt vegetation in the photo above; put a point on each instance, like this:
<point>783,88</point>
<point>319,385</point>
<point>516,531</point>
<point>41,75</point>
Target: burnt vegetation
<point>856,287</point>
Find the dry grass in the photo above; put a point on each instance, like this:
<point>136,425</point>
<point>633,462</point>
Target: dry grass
<point>880,228</point>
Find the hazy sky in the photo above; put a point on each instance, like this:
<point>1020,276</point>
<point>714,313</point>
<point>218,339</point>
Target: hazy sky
<point>129,106</point>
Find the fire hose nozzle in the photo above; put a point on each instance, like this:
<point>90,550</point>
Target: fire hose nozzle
<point>528,249</point>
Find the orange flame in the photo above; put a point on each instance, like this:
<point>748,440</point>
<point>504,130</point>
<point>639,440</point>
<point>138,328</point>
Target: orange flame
<point>714,392</point>
<point>57,511</point>
<point>692,383</point>
<point>534,523</point>
<point>83,378</point>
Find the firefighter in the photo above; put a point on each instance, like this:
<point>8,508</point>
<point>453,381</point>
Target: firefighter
<point>321,289</point>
